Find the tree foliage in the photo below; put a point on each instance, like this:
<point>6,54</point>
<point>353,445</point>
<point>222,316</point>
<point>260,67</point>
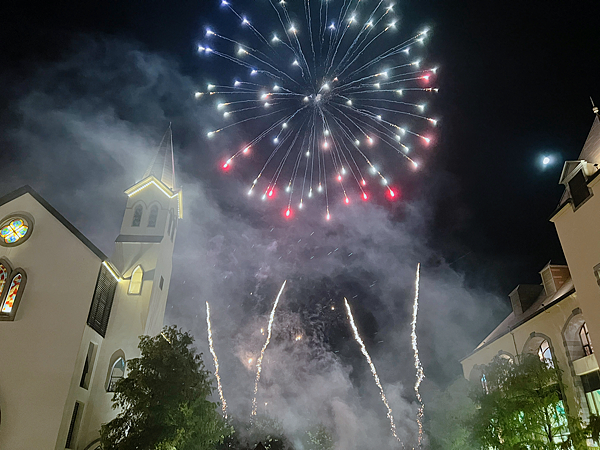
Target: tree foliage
<point>520,406</point>
<point>164,399</point>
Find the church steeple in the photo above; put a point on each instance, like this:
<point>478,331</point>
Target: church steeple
<point>144,248</point>
<point>163,165</point>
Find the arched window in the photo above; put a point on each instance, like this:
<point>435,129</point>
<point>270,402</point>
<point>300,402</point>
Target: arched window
<point>585,340</point>
<point>3,277</point>
<point>117,372</point>
<point>171,214</point>
<point>545,353</point>
<point>10,298</point>
<point>135,284</point>
<point>137,216</point>
<point>153,216</point>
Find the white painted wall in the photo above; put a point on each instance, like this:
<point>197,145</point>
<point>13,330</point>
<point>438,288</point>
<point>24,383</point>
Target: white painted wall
<point>39,349</point>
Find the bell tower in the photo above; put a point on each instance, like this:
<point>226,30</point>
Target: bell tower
<point>144,248</point>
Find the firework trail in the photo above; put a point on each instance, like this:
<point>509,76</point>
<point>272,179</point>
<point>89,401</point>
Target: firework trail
<point>418,366</point>
<point>322,90</point>
<point>363,349</point>
<point>216,360</point>
<point>262,352</point>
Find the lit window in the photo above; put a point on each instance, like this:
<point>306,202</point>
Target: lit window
<point>117,372</point>
<point>585,340</point>
<point>13,290</point>
<point>137,216</point>
<point>545,353</point>
<point>153,216</point>
<point>135,284</point>
<point>13,230</point>
<point>484,384</point>
<point>3,277</point>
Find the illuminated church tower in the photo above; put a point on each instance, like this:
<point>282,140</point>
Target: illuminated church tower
<point>71,315</point>
<point>143,257</point>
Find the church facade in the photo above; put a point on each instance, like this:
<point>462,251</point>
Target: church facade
<point>559,319</point>
<point>70,317</point>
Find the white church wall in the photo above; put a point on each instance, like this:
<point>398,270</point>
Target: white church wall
<point>40,347</point>
<point>579,235</point>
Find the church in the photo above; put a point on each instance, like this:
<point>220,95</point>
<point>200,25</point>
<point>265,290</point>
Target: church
<point>70,317</point>
<point>559,318</point>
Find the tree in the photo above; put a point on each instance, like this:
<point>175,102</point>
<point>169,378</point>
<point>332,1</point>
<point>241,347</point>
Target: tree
<point>520,406</point>
<point>164,399</point>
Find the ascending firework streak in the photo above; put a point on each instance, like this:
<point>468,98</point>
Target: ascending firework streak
<point>418,366</point>
<point>262,352</point>
<point>216,360</point>
<point>363,349</point>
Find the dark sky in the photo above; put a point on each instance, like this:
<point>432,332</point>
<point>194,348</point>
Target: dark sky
<point>87,88</point>
<point>515,84</point>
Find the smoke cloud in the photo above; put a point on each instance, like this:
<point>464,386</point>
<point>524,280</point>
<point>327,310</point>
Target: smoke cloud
<point>85,128</point>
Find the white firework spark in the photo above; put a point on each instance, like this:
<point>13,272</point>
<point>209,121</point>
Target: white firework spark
<point>323,92</point>
<point>363,349</point>
<point>216,361</point>
<point>262,352</point>
<point>418,366</point>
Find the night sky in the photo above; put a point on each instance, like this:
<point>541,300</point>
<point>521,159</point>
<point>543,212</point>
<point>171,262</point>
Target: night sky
<point>515,84</point>
<point>87,88</point>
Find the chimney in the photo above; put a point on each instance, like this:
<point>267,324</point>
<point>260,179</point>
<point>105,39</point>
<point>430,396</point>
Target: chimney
<point>553,277</point>
<point>523,297</point>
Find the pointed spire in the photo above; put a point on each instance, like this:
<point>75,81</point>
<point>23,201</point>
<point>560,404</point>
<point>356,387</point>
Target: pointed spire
<point>594,107</point>
<point>163,166</point>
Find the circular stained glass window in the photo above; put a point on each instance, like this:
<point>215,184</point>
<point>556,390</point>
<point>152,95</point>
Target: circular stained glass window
<point>14,230</point>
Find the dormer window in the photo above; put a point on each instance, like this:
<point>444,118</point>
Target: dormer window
<point>578,188</point>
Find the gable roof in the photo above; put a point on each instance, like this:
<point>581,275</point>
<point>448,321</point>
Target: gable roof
<point>513,321</point>
<point>591,149</point>
<point>68,225</point>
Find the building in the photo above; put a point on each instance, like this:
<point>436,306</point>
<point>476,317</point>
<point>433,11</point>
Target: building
<point>70,316</point>
<point>559,319</point>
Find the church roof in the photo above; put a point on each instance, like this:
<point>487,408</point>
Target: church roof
<point>590,153</point>
<point>513,320</point>
<point>591,148</point>
<point>163,165</point>
<point>68,225</point>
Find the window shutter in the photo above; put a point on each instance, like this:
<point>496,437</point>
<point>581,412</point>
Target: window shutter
<point>102,302</point>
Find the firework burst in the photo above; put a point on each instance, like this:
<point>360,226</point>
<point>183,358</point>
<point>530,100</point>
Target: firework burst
<point>323,94</point>
<point>364,351</point>
<point>262,351</point>
<point>418,366</point>
<point>216,361</point>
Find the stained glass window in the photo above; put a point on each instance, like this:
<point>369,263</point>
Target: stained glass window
<point>3,276</point>
<point>7,306</point>
<point>137,216</point>
<point>153,216</point>
<point>14,230</point>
